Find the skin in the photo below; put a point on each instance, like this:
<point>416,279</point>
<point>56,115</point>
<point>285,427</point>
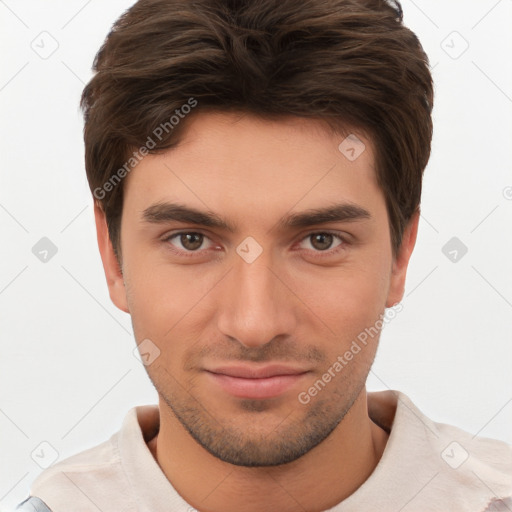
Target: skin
<point>298,303</point>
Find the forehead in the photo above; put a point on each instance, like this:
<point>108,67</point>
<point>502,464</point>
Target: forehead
<point>230,159</point>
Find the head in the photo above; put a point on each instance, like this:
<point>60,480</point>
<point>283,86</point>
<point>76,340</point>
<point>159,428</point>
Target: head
<point>260,115</point>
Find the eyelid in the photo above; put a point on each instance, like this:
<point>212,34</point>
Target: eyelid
<point>168,236</point>
<point>341,236</point>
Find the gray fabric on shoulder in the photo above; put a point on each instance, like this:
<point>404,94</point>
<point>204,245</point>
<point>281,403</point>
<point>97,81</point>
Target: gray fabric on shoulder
<point>33,504</point>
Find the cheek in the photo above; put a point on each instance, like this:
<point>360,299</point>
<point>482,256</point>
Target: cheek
<point>153,298</point>
<point>347,301</point>
<point>155,304</point>
<point>165,299</point>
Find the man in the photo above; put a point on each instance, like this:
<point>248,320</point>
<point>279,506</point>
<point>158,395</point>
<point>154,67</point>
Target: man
<point>256,168</point>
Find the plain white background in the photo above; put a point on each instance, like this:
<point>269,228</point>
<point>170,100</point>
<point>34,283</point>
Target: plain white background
<point>67,370</point>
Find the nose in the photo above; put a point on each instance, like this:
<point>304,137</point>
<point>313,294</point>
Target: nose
<point>256,304</point>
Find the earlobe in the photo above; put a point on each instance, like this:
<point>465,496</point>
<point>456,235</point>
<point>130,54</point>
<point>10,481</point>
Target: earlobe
<point>113,273</point>
<point>401,262</point>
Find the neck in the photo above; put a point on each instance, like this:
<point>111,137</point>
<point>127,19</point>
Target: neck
<point>317,481</point>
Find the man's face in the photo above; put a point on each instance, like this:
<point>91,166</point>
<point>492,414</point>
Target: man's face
<point>217,308</point>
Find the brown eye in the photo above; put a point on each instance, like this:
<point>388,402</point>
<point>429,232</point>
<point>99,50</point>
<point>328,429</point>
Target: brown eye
<point>188,242</point>
<point>321,241</point>
<point>191,241</point>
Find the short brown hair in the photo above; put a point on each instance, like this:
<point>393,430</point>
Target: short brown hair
<point>347,62</point>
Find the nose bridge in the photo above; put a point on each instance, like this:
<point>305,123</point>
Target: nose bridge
<point>255,306</point>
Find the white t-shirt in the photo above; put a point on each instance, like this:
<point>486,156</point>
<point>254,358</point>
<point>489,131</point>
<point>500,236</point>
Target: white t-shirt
<point>426,466</point>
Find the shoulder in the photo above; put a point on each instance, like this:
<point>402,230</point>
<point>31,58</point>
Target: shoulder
<point>87,479</point>
<point>69,481</point>
<point>79,478</point>
<point>480,463</point>
<point>465,468</point>
<point>433,466</point>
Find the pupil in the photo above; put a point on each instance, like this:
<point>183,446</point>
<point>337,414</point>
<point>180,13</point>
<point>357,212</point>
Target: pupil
<point>321,237</point>
<point>187,240</point>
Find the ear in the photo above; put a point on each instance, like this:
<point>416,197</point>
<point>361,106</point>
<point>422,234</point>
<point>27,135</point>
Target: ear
<point>401,261</point>
<point>113,273</point>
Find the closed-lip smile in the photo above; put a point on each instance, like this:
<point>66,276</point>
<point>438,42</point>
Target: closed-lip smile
<point>257,382</point>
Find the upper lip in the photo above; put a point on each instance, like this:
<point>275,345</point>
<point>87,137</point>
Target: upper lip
<point>257,372</point>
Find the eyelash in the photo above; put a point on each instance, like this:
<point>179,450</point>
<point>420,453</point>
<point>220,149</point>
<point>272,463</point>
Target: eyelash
<point>192,254</point>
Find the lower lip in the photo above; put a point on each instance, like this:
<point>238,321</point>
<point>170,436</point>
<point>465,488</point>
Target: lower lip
<point>268,387</point>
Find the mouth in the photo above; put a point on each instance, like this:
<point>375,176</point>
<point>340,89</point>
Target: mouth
<point>256,382</point>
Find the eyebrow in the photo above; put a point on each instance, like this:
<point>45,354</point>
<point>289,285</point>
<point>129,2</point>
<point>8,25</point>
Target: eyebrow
<point>165,212</point>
